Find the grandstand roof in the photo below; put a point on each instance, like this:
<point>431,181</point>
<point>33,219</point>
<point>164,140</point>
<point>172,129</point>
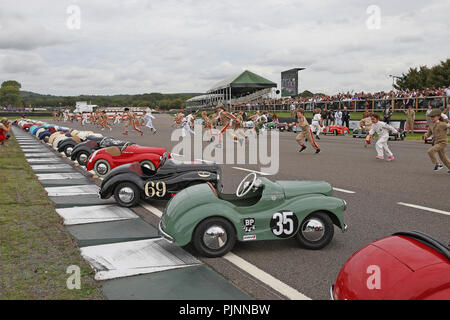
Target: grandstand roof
<point>246,79</point>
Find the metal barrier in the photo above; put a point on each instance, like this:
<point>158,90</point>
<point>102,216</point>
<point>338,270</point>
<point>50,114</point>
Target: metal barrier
<point>396,104</point>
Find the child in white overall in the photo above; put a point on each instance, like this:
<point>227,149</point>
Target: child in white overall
<point>148,121</point>
<point>382,129</point>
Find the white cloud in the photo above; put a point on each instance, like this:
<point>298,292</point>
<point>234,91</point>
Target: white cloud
<point>137,46</point>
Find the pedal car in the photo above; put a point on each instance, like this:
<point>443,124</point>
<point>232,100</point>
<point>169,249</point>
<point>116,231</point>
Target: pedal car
<point>260,210</point>
<point>82,151</point>
<point>336,130</point>
<point>397,136</point>
<point>131,182</point>
<point>67,145</point>
<point>404,266</point>
<point>104,160</point>
<point>359,133</point>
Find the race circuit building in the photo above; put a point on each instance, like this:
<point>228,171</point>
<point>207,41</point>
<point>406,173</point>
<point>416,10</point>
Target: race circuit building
<point>243,87</point>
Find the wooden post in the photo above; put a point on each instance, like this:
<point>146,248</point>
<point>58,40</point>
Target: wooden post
<point>393,104</point>
<point>417,104</point>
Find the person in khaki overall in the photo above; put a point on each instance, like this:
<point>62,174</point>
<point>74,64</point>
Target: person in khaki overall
<point>306,133</point>
<point>410,117</point>
<point>438,130</point>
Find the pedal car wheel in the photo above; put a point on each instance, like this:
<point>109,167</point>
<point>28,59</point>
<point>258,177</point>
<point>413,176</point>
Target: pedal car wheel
<point>126,194</point>
<point>102,167</point>
<point>148,164</point>
<point>214,237</point>
<point>82,158</point>
<point>68,151</point>
<point>316,231</point>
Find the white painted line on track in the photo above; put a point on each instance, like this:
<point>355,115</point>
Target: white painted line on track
<point>259,274</point>
<point>203,160</point>
<point>424,208</point>
<point>266,278</point>
<point>152,209</point>
<point>248,170</point>
<point>343,190</point>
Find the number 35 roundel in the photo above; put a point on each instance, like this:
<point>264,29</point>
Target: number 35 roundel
<point>284,223</point>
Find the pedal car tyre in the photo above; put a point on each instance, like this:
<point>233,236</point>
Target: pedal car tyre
<point>316,231</point>
<point>68,150</point>
<point>82,158</point>
<point>102,167</point>
<point>127,194</point>
<point>148,164</point>
<point>214,237</point>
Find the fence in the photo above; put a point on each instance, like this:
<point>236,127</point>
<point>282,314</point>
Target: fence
<point>418,103</point>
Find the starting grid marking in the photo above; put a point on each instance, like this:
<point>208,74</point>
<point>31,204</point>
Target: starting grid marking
<point>59,176</point>
<point>72,190</point>
<point>93,214</point>
<point>251,269</point>
<point>423,208</point>
<point>136,257</point>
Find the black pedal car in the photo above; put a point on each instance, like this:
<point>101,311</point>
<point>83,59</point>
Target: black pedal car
<point>361,133</point>
<point>82,151</point>
<point>129,183</point>
<point>67,146</point>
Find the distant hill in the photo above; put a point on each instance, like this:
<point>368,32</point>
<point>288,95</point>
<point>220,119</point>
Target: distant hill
<point>161,100</point>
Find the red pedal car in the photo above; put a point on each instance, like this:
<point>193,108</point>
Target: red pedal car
<point>404,266</point>
<point>336,130</point>
<point>104,160</point>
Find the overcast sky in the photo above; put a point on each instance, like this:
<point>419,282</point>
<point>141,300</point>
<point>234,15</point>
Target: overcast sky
<point>139,46</point>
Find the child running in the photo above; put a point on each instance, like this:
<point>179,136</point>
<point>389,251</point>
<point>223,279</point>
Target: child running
<point>382,129</point>
<point>131,119</point>
<point>438,129</point>
<point>306,132</point>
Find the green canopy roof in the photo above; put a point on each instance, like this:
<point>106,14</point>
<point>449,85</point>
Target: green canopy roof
<point>246,79</point>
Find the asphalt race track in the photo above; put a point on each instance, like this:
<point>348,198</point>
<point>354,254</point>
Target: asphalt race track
<point>372,188</point>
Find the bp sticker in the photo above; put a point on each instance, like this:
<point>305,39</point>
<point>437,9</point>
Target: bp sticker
<point>249,225</point>
<point>284,223</point>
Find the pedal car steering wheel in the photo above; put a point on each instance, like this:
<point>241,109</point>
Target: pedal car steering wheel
<point>245,186</point>
<point>125,146</point>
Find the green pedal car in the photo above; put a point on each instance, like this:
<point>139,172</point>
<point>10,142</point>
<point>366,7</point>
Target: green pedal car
<point>260,210</point>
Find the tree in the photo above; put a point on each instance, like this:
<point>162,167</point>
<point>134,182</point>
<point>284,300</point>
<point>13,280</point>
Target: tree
<point>10,93</point>
<point>424,77</point>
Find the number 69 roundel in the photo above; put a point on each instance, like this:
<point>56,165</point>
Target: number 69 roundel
<point>284,223</point>
<point>155,188</point>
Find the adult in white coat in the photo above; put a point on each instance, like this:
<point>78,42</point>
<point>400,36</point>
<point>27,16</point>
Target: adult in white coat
<point>338,117</point>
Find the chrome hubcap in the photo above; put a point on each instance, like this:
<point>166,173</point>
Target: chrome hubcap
<point>313,229</point>
<point>83,158</point>
<point>69,151</point>
<point>215,237</point>
<point>102,168</point>
<point>126,194</point>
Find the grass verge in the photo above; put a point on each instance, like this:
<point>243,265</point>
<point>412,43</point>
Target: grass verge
<point>35,248</point>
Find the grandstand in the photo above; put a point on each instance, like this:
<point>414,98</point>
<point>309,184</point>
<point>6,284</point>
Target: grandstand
<point>241,88</point>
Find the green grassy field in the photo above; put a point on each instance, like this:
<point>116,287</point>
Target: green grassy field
<point>35,248</point>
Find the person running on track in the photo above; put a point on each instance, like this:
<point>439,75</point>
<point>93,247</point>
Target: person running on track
<point>438,129</point>
<point>382,129</point>
<point>306,133</point>
<point>131,120</point>
<point>147,118</point>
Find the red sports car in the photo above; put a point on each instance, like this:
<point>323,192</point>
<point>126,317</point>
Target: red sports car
<point>404,266</point>
<point>104,160</point>
<point>336,130</point>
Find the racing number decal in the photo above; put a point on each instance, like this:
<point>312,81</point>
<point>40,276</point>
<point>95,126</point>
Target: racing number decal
<point>284,223</point>
<point>159,189</point>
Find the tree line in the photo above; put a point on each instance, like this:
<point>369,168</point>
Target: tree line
<point>11,95</point>
<point>421,78</point>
